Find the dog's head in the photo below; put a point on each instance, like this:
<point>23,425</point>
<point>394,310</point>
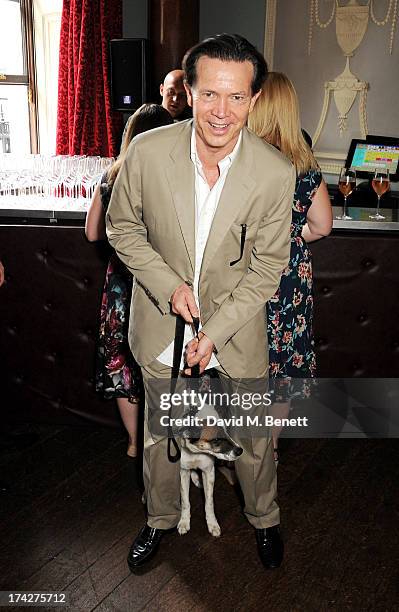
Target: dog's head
<point>220,448</point>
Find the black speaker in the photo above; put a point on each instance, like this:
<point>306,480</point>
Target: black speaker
<point>129,73</point>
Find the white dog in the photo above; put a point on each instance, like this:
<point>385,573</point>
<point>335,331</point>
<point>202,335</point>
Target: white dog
<point>200,455</point>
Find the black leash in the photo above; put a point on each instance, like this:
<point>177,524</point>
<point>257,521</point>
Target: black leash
<point>195,372</point>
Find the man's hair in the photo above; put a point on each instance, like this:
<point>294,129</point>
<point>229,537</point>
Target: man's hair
<point>228,48</point>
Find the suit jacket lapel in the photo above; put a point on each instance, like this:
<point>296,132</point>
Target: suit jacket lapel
<point>180,175</point>
<point>239,184</point>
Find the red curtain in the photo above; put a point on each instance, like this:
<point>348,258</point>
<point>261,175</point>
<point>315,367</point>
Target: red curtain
<point>85,123</point>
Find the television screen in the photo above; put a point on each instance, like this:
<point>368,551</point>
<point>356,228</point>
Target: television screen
<point>365,157</point>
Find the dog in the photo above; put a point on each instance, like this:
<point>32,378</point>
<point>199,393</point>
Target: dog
<point>200,455</point>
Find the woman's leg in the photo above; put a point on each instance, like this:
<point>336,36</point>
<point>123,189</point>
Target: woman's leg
<point>129,414</point>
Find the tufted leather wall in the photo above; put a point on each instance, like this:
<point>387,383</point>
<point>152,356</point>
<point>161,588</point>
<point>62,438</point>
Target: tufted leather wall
<point>357,304</point>
<point>49,310</point>
<point>49,315</point>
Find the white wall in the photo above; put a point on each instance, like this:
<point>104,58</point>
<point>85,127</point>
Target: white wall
<point>371,63</point>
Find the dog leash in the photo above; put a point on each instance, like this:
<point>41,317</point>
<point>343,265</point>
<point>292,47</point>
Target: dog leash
<point>195,372</point>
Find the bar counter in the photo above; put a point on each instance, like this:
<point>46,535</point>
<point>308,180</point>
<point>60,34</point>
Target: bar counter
<point>50,302</point>
<point>58,214</point>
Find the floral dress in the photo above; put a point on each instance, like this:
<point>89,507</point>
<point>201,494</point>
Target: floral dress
<point>289,313</point>
<point>117,373</point>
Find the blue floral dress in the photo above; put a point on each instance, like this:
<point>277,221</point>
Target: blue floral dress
<point>117,373</point>
<point>289,313</point>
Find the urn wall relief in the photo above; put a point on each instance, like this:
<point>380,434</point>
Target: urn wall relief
<point>342,58</point>
<point>351,22</point>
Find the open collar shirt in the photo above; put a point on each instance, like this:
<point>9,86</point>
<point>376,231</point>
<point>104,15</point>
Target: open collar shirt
<point>206,203</point>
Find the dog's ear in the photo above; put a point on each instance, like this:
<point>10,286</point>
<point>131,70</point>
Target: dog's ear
<point>193,446</point>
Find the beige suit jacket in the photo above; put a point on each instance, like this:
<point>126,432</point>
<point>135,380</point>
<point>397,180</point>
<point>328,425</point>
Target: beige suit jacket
<point>151,224</point>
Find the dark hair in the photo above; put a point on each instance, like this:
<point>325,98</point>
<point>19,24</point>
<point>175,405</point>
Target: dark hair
<point>228,48</point>
<point>147,117</point>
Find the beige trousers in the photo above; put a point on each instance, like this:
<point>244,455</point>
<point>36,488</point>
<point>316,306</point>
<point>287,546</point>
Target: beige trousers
<point>255,470</point>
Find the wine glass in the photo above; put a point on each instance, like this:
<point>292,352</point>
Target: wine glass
<point>346,184</point>
<point>380,184</point>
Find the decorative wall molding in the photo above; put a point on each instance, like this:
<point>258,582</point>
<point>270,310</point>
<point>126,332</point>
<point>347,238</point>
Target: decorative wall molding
<point>392,9</point>
<point>270,31</point>
<point>346,86</point>
<point>344,89</point>
<point>330,162</point>
<point>351,21</point>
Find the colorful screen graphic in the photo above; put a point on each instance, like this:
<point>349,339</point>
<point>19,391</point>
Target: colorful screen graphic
<point>367,157</point>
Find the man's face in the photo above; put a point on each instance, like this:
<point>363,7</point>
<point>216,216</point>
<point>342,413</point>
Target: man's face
<point>173,94</point>
<point>221,100</point>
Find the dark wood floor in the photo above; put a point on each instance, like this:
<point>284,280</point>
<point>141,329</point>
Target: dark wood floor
<point>73,508</point>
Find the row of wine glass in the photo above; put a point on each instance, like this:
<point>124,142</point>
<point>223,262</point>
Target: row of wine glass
<point>347,184</point>
<point>68,179</point>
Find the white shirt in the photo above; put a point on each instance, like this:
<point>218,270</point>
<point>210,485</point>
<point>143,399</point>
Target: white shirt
<point>206,203</point>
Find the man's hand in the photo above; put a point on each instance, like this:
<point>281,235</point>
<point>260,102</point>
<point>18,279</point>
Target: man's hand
<point>198,350</point>
<point>183,303</point>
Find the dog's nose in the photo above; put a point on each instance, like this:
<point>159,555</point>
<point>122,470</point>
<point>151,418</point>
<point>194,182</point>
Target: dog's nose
<point>238,451</point>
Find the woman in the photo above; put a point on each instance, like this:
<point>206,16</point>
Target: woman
<point>275,118</point>
<point>117,374</point>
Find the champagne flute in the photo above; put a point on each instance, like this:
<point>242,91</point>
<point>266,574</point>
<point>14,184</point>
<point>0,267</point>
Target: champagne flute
<point>380,184</point>
<point>346,184</point>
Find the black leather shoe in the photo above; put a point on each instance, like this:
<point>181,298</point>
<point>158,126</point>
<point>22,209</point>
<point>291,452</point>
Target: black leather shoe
<point>145,545</point>
<point>270,546</point>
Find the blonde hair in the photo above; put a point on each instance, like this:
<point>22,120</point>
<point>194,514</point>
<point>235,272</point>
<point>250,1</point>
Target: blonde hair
<point>275,118</point>
<point>147,117</point>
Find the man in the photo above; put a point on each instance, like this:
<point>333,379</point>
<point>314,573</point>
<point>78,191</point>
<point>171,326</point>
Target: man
<point>200,213</point>
<point>173,94</point>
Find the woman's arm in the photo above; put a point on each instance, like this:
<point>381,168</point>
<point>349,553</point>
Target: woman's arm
<point>319,218</point>
<point>95,218</point>
<point>1,274</point>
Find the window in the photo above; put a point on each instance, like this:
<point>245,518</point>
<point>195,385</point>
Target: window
<point>47,25</point>
<point>18,119</point>
<point>29,46</point>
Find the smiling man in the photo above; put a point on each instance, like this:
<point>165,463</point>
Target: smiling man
<point>200,213</point>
